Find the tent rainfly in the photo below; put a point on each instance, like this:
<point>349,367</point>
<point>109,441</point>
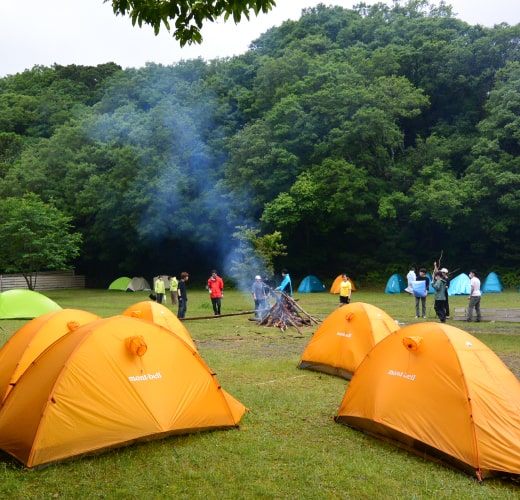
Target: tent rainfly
<point>345,337</point>
<point>120,284</point>
<point>395,284</point>
<point>492,284</point>
<point>161,315</point>
<point>438,391</point>
<point>27,343</point>
<point>109,383</point>
<point>460,285</point>
<point>25,304</point>
<point>337,282</point>
<point>138,284</point>
<point>311,284</point>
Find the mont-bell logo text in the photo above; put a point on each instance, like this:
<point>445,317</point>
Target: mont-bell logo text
<point>147,376</point>
<point>344,334</point>
<point>407,376</point>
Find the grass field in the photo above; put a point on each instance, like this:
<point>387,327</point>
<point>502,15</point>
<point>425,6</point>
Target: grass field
<point>288,445</point>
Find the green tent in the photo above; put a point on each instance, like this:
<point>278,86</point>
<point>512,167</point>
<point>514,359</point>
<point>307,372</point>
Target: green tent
<point>120,284</point>
<point>22,304</point>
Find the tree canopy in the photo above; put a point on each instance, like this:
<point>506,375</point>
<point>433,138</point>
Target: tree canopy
<point>188,16</point>
<point>361,140</point>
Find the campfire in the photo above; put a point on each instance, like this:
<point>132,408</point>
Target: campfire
<point>285,313</point>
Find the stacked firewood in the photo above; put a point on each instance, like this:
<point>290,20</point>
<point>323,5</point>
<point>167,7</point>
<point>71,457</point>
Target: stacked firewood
<point>286,312</point>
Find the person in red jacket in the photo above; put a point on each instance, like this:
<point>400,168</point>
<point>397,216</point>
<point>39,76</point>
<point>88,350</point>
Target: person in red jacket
<point>216,291</point>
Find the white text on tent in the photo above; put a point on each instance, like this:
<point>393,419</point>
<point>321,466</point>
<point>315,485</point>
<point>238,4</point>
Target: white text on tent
<point>149,376</point>
<point>407,376</point>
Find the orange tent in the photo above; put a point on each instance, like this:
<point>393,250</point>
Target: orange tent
<point>439,391</point>
<point>108,383</point>
<point>161,315</point>
<point>32,339</point>
<point>345,337</point>
<point>335,285</point>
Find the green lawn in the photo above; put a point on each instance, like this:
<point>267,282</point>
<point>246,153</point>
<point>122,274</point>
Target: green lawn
<point>288,445</point>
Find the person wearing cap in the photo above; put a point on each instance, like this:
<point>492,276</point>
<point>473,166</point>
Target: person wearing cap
<point>259,296</point>
<point>446,278</point>
<point>216,291</point>
<point>474,296</point>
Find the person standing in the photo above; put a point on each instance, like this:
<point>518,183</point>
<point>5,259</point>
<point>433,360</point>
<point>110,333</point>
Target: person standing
<point>160,289</point>
<point>474,296</point>
<point>216,291</point>
<point>420,294</point>
<point>410,278</point>
<point>439,285</point>
<point>183,295</point>
<point>259,296</point>
<point>174,286</point>
<point>286,284</point>
<point>446,278</point>
<point>345,290</point>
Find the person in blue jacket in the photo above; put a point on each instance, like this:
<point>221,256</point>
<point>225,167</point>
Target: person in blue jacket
<point>286,284</point>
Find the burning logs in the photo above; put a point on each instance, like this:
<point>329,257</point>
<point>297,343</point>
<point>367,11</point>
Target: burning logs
<point>285,313</point>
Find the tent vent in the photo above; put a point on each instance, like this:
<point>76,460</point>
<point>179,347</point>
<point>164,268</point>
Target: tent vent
<point>412,343</point>
<point>72,325</point>
<point>136,345</point>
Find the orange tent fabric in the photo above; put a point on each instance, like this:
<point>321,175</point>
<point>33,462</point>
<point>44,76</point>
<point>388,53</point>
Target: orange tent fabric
<point>437,390</point>
<point>345,337</point>
<point>108,383</point>
<point>161,315</point>
<point>32,339</point>
<point>335,285</point>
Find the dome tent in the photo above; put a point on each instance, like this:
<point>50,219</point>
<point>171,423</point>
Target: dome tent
<point>345,337</point>
<point>25,304</point>
<point>395,284</point>
<point>397,391</point>
<point>311,284</point>
<point>492,284</point>
<point>120,284</point>
<point>337,282</point>
<point>110,383</point>
<point>460,285</point>
<point>137,284</point>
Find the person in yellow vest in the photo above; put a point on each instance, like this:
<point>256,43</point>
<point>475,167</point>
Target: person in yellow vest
<point>174,286</point>
<point>345,290</point>
<point>159,289</point>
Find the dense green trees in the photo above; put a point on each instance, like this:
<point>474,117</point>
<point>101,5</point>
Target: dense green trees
<point>35,236</point>
<point>364,139</point>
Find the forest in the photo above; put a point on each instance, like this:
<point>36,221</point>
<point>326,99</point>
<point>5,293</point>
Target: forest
<point>370,138</point>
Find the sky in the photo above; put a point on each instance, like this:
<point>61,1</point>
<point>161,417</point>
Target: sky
<point>87,32</point>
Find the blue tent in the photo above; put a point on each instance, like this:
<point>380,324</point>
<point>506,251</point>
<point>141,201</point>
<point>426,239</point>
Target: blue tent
<point>460,285</point>
<point>492,284</point>
<point>395,284</point>
<point>311,284</point>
